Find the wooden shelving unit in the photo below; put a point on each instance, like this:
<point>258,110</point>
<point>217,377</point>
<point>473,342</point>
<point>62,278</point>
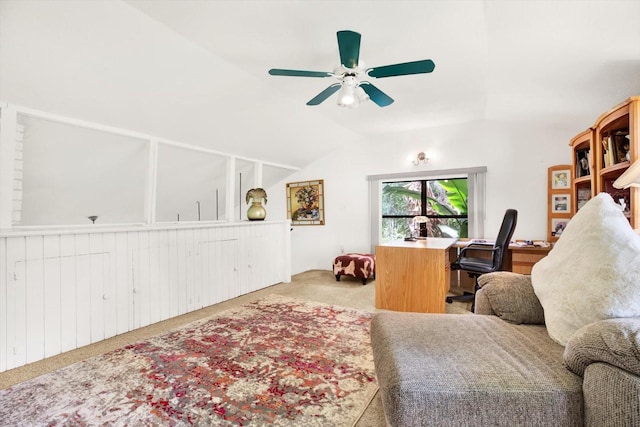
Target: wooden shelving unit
<point>583,185</point>
<point>617,139</point>
<point>610,146</point>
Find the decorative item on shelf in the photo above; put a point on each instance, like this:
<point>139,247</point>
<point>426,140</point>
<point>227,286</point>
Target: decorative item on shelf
<point>615,148</point>
<point>420,158</point>
<point>93,218</point>
<point>583,196</point>
<point>583,168</point>
<point>256,211</point>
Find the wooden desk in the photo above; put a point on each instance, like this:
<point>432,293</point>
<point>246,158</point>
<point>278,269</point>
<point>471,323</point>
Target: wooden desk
<point>413,276</point>
<point>523,259</point>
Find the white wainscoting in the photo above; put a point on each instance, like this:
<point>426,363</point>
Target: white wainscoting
<point>60,290</point>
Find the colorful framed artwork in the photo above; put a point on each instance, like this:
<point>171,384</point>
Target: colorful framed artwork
<point>561,203</point>
<point>560,179</point>
<point>305,202</point>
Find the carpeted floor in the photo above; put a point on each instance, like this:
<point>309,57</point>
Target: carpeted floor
<point>277,361</point>
<point>314,285</point>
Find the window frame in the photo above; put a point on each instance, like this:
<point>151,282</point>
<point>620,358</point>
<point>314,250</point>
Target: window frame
<point>476,184</point>
<point>423,202</point>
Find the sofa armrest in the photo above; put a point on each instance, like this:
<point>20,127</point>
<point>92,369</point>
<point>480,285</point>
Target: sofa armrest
<point>610,396</point>
<point>509,296</point>
<point>612,341</point>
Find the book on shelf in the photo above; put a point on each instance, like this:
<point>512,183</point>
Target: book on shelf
<point>607,151</point>
<point>615,148</point>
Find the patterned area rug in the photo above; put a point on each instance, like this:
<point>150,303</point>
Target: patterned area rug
<point>275,361</point>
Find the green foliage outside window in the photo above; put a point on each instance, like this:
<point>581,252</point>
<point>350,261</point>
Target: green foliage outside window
<point>446,207</point>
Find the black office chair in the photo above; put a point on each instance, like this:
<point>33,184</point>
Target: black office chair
<point>475,266</point>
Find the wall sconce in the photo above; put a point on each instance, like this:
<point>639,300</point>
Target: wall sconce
<point>420,158</point>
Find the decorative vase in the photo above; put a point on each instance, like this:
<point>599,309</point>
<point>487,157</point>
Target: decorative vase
<point>256,211</point>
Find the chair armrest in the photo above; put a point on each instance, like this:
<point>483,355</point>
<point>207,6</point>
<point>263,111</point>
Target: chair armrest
<point>509,296</point>
<point>476,247</point>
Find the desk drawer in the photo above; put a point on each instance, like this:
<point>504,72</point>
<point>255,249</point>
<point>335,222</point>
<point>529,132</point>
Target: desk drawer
<point>523,262</point>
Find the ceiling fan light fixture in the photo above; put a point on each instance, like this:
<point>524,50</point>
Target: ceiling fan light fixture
<point>348,96</point>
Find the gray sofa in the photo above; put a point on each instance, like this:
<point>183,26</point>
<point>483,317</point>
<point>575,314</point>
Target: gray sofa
<point>501,368</point>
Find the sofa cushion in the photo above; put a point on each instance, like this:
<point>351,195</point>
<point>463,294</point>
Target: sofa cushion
<point>592,272</point>
<point>612,341</point>
<point>451,370</point>
<point>511,297</point>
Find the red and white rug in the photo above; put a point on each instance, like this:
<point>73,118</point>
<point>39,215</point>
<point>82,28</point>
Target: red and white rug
<point>275,361</point>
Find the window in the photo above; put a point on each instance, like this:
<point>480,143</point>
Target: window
<point>441,202</point>
<point>394,218</point>
<point>191,185</point>
<point>71,173</point>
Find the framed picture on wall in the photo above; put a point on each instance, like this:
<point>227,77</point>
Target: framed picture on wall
<point>305,202</point>
<point>558,225</point>
<point>560,179</point>
<point>561,203</point>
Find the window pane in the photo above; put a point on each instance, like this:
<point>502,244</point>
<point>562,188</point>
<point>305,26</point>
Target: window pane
<point>401,198</point>
<point>396,228</point>
<point>245,181</point>
<point>71,173</point>
<point>448,197</point>
<point>191,185</point>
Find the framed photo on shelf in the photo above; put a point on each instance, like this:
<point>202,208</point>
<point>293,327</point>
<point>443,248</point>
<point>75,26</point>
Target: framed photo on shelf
<point>305,202</point>
<point>558,225</point>
<point>583,195</point>
<point>621,147</point>
<point>561,203</point>
<point>583,167</point>
<point>560,179</point>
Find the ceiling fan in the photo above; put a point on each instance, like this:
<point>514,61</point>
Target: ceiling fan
<point>351,73</point>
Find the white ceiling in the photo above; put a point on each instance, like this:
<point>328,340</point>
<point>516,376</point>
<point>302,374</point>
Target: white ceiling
<point>159,64</point>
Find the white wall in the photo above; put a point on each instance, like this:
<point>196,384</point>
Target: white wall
<point>517,159</point>
<point>52,62</point>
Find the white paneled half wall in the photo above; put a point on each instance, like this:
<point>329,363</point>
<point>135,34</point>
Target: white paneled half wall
<point>63,289</point>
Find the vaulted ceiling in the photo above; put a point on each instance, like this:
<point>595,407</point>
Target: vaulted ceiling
<point>196,70</point>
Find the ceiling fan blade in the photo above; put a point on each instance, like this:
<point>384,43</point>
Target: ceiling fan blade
<point>349,46</point>
<point>325,94</point>
<point>376,95</point>
<point>403,69</point>
<point>299,73</point>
